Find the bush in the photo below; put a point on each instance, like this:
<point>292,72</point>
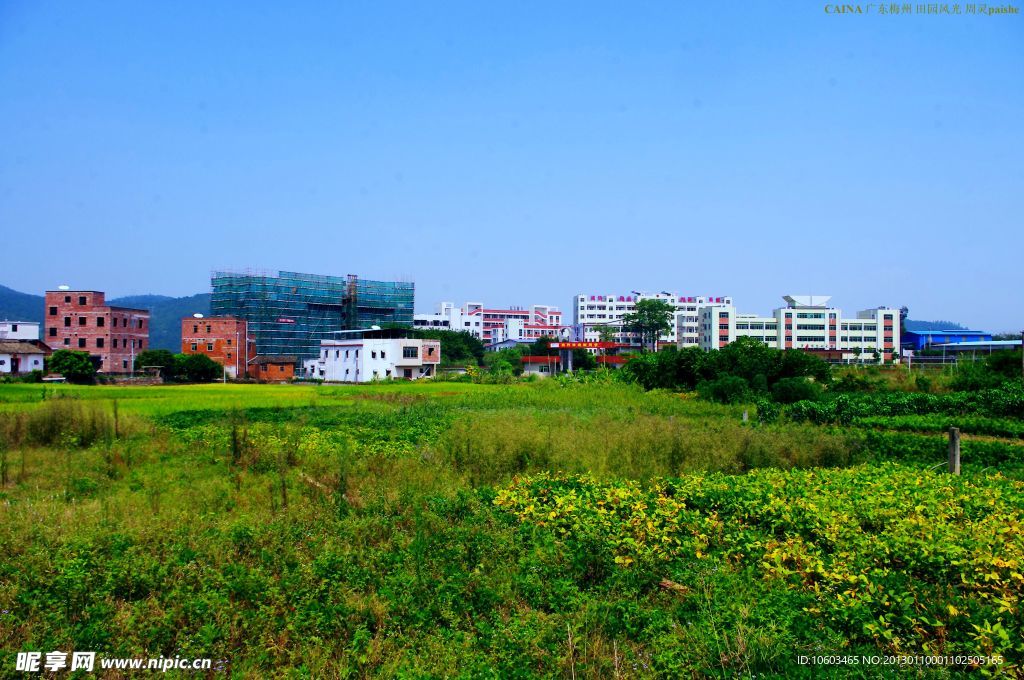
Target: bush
<point>76,367</point>
<point>792,390</point>
<point>731,389</point>
<point>767,411</point>
<point>196,368</point>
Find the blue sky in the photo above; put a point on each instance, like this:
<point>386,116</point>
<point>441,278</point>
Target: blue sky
<point>519,152</point>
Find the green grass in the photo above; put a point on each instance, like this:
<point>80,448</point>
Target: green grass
<point>349,531</point>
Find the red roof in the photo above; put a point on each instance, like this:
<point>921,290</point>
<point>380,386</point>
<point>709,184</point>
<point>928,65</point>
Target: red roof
<point>540,359</point>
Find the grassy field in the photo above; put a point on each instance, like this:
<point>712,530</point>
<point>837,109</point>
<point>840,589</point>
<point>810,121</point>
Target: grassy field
<point>448,529</point>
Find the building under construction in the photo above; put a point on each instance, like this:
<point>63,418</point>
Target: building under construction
<point>290,313</point>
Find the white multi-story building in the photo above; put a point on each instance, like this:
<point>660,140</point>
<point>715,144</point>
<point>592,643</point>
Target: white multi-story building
<point>448,317</point>
<point>494,326</point>
<point>806,322</point>
<point>19,330</point>
<point>365,356</point>
<point>594,313</point>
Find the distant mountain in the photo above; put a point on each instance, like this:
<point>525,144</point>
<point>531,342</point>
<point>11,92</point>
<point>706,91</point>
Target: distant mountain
<point>165,312</point>
<point>16,306</point>
<point>912,325</point>
<point>165,315</point>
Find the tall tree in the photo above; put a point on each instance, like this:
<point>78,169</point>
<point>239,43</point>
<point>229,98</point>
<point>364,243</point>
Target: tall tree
<point>650,319</point>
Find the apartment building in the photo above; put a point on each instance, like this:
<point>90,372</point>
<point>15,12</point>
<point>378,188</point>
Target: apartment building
<point>368,355</point>
<point>494,326</point>
<point>593,313</point>
<point>806,322</point>
<point>81,320</point>
<point>225,339</point>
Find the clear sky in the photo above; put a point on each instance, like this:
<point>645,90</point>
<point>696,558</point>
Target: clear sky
<point>519,152</point>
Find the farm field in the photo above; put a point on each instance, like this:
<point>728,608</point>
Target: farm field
<point>524,530</point>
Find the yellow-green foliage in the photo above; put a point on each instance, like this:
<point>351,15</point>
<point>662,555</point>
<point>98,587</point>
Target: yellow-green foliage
<point>918,562</point>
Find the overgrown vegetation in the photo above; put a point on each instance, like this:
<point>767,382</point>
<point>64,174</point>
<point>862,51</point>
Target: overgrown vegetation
<point>573,526</point>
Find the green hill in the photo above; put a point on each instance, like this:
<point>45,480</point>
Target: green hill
<point>17,306</point>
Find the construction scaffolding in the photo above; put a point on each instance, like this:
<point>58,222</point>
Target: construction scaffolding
<point>290,313</point>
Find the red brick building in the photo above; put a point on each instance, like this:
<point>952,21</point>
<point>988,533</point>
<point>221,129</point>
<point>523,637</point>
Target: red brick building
<point>81,320</point>
<point>222,338</point>
<point>274,368</point>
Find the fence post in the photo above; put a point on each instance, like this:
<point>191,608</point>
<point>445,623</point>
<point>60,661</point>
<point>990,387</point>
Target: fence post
<point>954,450</point>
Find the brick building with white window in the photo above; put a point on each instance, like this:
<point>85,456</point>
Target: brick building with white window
<point>81,320</point>
<point>378,354</point>
<point>222,338</point>
<point>807,322</point>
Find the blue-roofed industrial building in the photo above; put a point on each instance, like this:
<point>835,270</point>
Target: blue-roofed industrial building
<point>918,340</point>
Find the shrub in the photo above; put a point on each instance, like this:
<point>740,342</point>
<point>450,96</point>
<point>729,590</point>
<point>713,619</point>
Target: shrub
<point>731,389</point>
<point>791,390</point>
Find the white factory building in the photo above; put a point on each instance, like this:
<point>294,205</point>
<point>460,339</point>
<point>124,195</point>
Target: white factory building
<point>592,313</point>
<point>377,354</point>
<point>807,322</point>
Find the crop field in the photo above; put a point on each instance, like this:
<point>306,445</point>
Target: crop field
<point>523,530</point>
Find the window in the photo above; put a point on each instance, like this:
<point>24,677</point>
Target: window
<point>263,368</point>
<point>229,341</point>
<point>382,355</point>
<point>280,369</point>
<point>67,298</point>
<point>53,311</point>
<point>229,355</point>
<point>81,321</point>
<point>408,373</point>
<point>115,343</point>
<point>209,347</point>
<point>410,352</point>
<point>207,326</point>
<point>81,342</point>
<point>194,347</point>
<point>195,329</point>
<point>140,323</point>
<point>124,363</point>
<point>81,299</point>
<point>99,343</point>
<point>67,321</point>
<point>67,341</point>
<point>373,355</point>
<point>430,351</point>
<point>100,322</point>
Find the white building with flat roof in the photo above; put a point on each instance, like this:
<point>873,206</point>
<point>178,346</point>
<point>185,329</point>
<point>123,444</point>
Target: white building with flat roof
<point>807,322</point>
<point>365,356</point>
<point>19,330</point>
